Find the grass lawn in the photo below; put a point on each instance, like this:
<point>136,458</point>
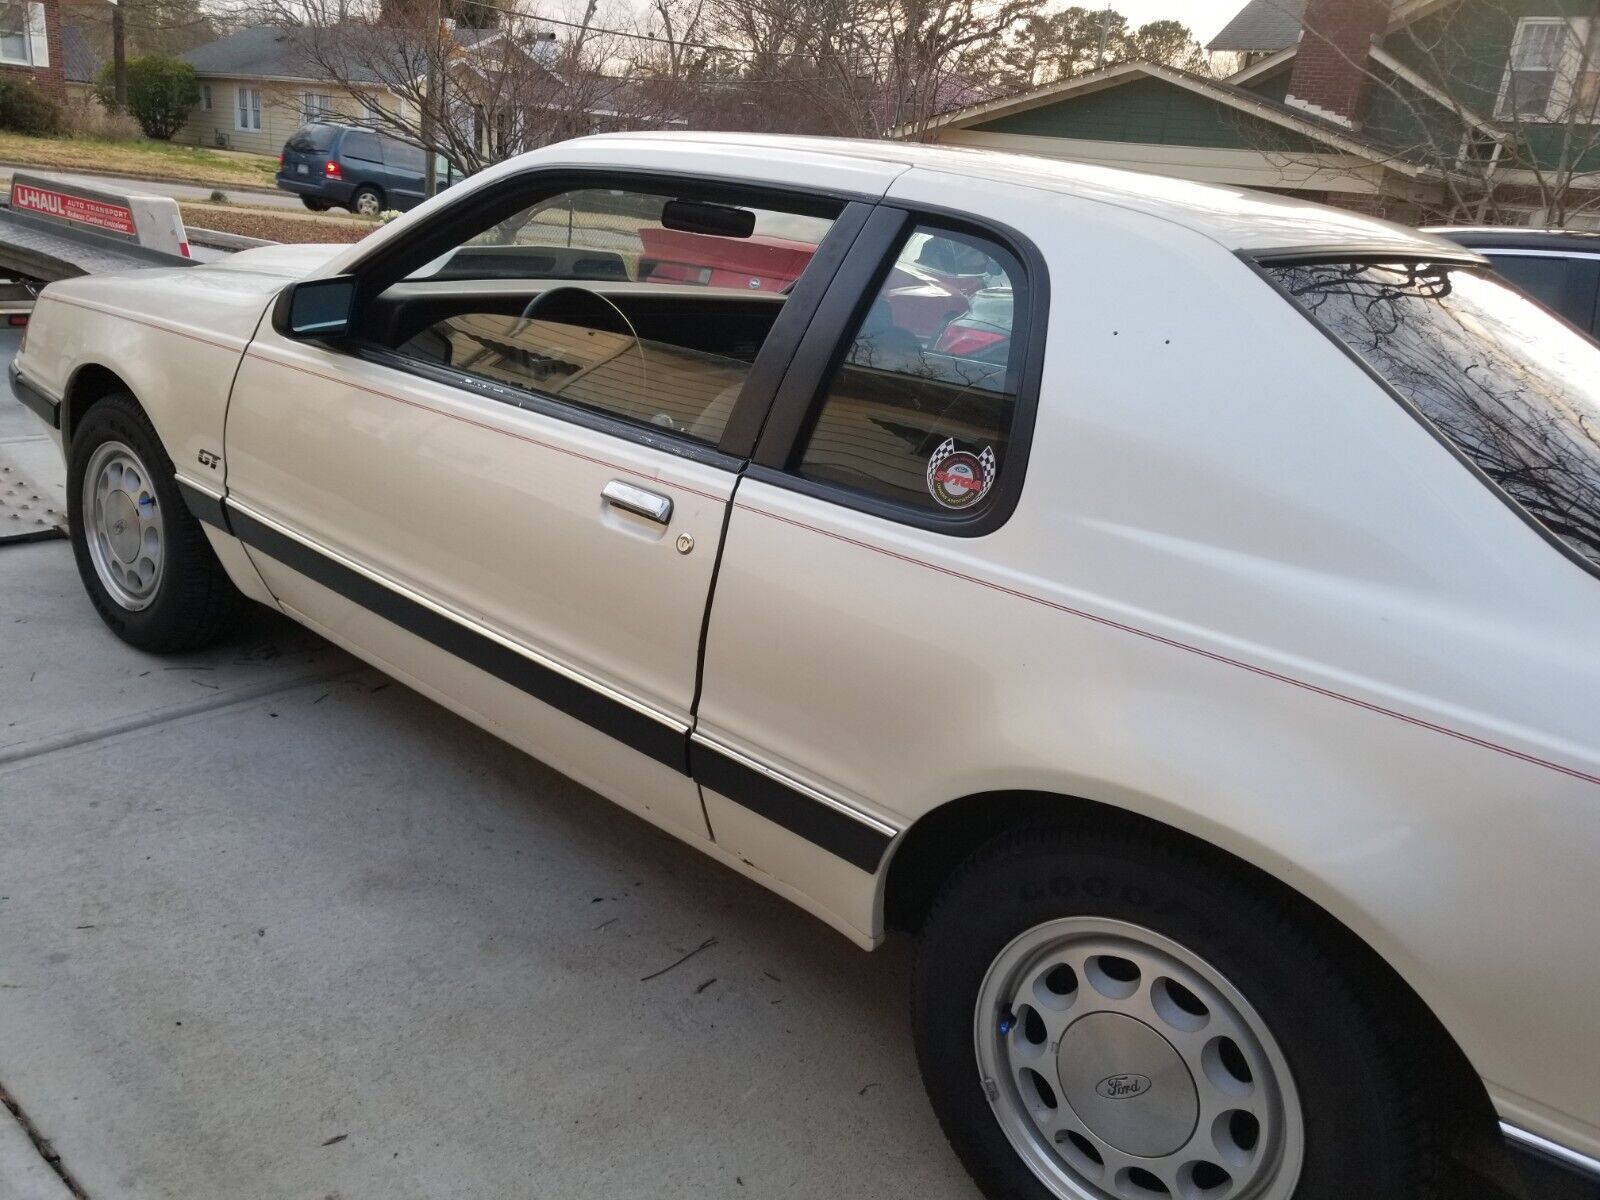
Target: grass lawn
<point>146,160</point>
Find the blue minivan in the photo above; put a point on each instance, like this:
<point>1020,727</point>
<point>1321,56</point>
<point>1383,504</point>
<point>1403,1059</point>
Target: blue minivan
<point>329,165</point>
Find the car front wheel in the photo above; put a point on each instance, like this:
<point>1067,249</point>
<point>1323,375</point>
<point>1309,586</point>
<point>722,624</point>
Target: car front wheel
<point>142,555</point>
<point>1115,1017</point>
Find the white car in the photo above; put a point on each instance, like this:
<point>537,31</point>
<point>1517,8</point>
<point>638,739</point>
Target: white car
<point>1199,650</point>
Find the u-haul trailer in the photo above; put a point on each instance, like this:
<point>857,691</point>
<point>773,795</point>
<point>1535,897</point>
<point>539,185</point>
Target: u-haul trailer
<point>52,229</point>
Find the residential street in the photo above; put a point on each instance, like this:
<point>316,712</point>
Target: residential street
<point>272,926</point>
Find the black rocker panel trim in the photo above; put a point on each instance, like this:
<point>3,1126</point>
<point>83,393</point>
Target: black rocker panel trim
<point>206,509</point>
<point>839,834</point>
<point>35,399</point>
<point>645,734</point>
<point>843,836</point>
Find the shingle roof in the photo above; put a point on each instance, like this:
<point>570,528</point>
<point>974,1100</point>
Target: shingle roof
<point>278,52</point>
<point>264,50</point>
<point>1262,26</point>
<point>79,62</point>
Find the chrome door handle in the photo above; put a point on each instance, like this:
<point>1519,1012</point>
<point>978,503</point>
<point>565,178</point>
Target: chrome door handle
<point>652,506</point>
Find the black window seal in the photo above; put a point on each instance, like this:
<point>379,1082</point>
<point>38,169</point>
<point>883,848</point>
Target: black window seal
<point>849,213</point>
<point>546,405</point>
<point>1357,252</point>
<point>803,390</point>
<point>1333,258</point>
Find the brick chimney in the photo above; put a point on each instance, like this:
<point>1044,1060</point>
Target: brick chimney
<point>1330,68</point>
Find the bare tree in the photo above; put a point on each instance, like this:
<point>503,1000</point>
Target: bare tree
<point>855,68</point>
<point>474,93</point>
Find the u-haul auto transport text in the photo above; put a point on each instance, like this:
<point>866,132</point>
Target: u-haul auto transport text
<point>98,213</point>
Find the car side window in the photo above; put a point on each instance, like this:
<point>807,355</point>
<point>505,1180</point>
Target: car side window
<point>648,306</point>
<point>919,411</point>
<point>1542,277</point>
<point>361,145</point>
<point>403,156</point>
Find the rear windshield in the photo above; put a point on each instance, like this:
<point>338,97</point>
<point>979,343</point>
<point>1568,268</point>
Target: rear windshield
<point>311,139</point>
<point>1513,388</point>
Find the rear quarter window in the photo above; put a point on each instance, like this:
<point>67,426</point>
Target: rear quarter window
<point>1513,389</point>
<point>311,139</point>
<point>919,412</point>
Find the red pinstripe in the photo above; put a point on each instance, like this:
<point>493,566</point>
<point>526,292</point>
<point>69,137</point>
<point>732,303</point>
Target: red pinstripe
<point>1108,622</point>
<point>1122,627</point>
<point>162,326</point>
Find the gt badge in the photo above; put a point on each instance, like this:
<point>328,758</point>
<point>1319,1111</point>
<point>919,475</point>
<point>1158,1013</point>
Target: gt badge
<point>957,479</point>
<point>209,458</point>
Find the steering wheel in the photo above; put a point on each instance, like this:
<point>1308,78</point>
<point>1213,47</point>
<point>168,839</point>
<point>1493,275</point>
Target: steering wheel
<point>572,291</point>
<point>604,305</point>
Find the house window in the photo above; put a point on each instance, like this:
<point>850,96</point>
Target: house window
<point>248,110</point>
<point>205,97</point>
<point>315,106</point>
<point>23,37</point>
<point>1551,71</point>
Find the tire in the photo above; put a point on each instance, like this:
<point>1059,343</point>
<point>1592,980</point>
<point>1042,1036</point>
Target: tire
<point>174,597</point>
<point>1342,1094</point>
<point>314,204</point>
<point>366,201</point>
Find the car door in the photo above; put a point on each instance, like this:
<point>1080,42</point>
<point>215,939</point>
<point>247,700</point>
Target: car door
<point>404,163</point>
<point>880,489</point>
<point>520,513</point>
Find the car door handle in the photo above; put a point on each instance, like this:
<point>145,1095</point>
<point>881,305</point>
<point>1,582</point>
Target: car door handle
<point>652,506</point>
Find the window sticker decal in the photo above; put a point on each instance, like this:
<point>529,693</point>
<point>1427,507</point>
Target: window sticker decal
<point>958,478</point>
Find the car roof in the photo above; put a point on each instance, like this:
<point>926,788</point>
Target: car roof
<point>1502,237</point>
<point>1239,218</point>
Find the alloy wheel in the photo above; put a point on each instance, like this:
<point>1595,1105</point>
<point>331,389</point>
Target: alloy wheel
<point>1121,1066</point>
<point>123,526</point>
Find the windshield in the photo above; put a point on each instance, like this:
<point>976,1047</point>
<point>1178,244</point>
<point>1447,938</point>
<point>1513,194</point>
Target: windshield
<point>1513,388</point>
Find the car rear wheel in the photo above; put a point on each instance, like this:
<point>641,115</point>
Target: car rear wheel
<point>142,555</point>
<point>314,204</point>
<point>1112,1017</point>
<point>367,201</point>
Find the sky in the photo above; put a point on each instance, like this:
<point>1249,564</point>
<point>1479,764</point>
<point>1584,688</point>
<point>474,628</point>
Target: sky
<point>1205,17</point>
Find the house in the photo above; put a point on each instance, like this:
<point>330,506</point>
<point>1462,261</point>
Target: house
<point>259,84</point>
<point>1415,109</point>
<point>30,45</point>
<point>502,94</point>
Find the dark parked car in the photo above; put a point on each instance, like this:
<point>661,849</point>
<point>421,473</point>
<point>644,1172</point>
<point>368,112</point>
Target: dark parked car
<point>329,165</point>
<point>1558,268</point>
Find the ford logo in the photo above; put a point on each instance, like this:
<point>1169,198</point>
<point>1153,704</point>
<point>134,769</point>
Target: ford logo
<point>1123,1087</point>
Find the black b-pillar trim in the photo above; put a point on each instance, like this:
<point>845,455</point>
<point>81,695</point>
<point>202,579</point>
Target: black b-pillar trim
<point>858,844</point>
<point>645,734</point>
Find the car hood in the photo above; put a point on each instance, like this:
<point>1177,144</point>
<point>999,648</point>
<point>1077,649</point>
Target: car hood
<point>287,262</point>
<point>221,301</point>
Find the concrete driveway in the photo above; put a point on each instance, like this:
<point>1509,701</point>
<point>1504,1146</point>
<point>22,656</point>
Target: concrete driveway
<point>274,927</point>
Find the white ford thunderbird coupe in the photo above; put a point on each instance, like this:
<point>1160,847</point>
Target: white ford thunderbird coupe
<point>1177,606</point>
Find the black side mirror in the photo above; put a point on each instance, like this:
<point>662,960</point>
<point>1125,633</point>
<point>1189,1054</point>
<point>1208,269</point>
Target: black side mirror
<point>315,308</point>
